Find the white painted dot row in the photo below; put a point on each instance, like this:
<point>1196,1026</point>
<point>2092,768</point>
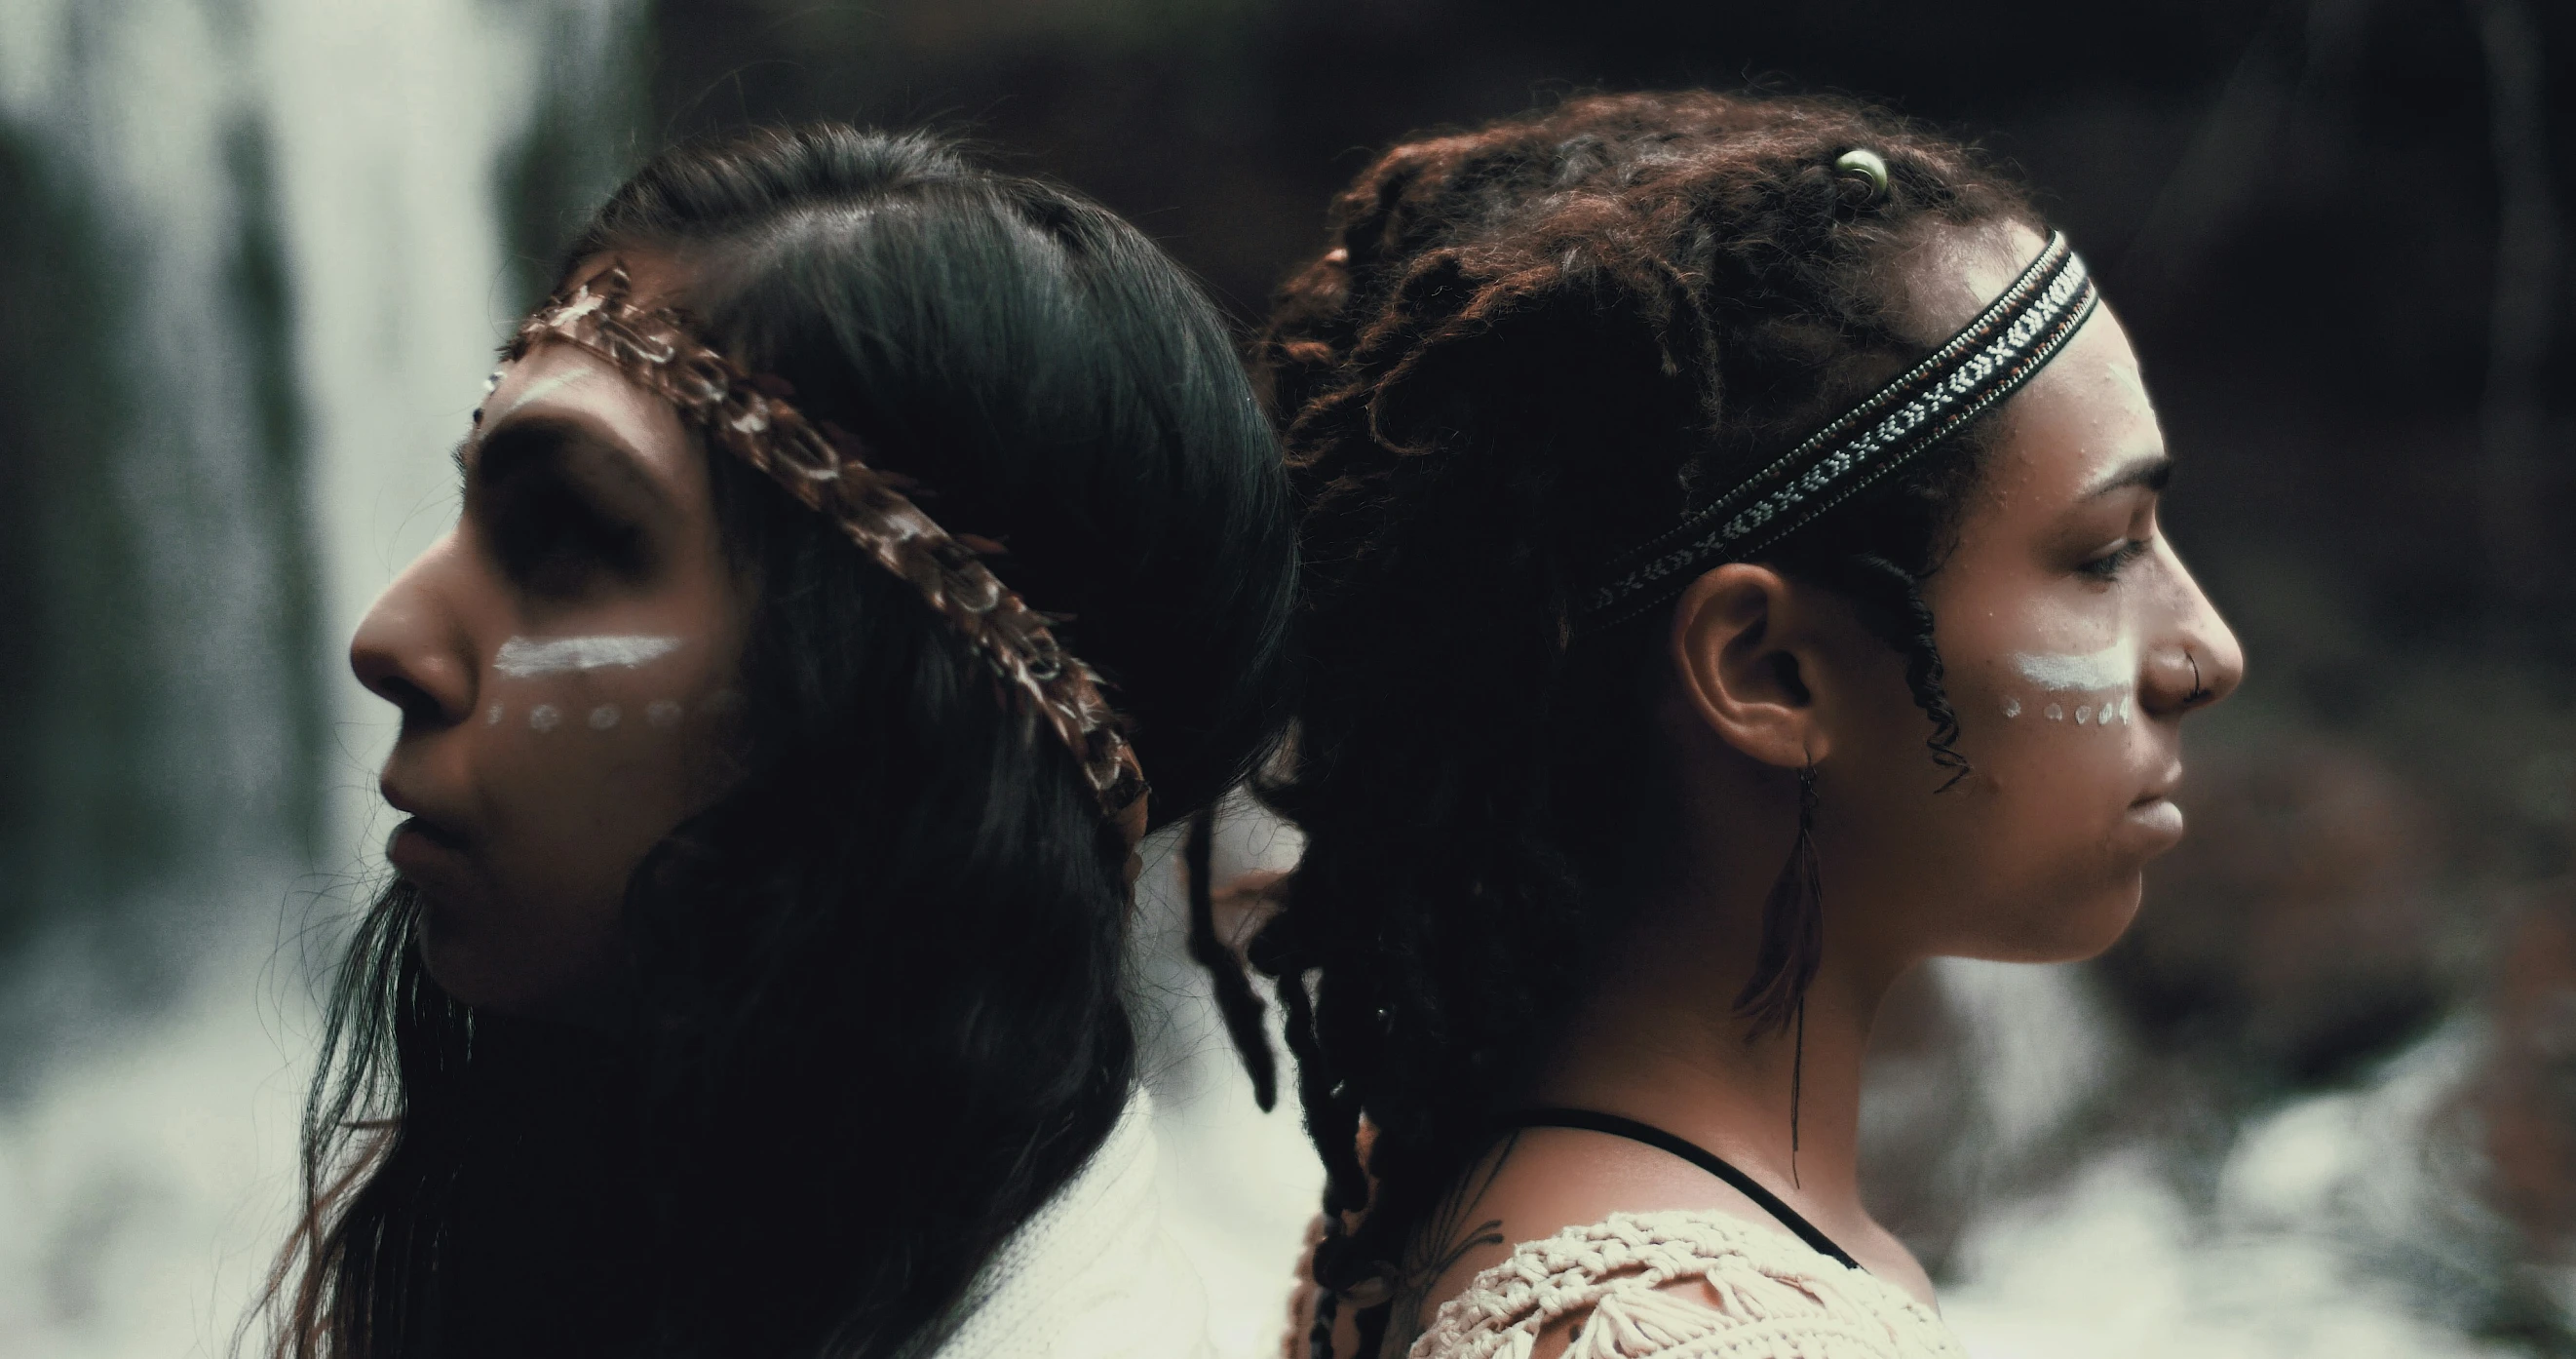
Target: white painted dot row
<point>546,716</point>
<point>2123,710</point>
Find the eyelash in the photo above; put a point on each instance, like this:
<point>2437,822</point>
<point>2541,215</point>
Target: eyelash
<point>549,540</point>
<point>547,535</point>
<point>2109,565</point>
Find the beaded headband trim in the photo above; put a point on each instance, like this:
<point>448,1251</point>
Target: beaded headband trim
<point>1985,362</point>
<point>824,467</point>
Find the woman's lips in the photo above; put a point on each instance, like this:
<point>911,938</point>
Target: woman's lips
<point>2154,818</point>
<point>2158,815</point>
<point>420,847</point>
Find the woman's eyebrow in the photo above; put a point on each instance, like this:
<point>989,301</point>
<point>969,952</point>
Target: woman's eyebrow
<point>559,438</point>
<point>2151,470</point>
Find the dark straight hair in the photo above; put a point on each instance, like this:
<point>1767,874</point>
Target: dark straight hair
<point>878,1012</point>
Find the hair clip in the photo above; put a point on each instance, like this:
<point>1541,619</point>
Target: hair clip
<point>1863,163</point>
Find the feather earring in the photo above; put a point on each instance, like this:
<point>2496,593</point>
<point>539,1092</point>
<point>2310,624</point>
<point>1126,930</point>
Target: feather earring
<point>1793,944</point>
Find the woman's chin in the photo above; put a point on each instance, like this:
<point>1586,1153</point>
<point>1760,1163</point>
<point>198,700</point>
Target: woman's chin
<point>462,960</point>
<point>448,955</point>
<point>2086,919</point>
<point>505,982</point>
<point>2098,923</point>
<point>2071,927</point>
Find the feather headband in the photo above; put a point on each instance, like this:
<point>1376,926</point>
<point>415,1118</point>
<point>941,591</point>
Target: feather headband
<point>825,468</point>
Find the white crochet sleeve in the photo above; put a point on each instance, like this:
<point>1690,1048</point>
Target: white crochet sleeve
<point>1768,1297</point>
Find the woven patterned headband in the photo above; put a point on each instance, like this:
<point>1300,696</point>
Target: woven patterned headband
<point>822,466</point>
<point>1985,362</point>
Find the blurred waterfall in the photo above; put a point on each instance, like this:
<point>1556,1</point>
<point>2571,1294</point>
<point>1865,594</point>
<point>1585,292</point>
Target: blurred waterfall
<point>254,255</point>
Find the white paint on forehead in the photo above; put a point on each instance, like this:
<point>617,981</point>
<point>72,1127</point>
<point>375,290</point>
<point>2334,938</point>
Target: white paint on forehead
<point>2113,667</point>
<point>521,657</point>
<point>546,386</point>
<point>2132,383</point>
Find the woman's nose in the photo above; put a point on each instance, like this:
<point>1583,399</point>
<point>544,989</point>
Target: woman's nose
<point>2200,663</point>
<point>410,652</point>
<point>2220,658</point>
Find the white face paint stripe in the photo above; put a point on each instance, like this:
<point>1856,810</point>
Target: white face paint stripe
<point>521,657</point>
<point>2113,667</point>
<point>543,387</point>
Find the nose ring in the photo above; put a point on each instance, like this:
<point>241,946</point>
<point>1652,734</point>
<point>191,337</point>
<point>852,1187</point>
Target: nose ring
<point>2199,691</point>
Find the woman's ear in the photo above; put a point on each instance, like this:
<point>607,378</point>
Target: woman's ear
<point>1750,649</point>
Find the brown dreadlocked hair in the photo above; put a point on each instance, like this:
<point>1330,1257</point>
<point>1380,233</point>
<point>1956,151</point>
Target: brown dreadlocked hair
<point>1531,346</point>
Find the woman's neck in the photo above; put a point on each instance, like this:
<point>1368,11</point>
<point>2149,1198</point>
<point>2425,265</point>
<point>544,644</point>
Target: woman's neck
<point>1659,1039</point>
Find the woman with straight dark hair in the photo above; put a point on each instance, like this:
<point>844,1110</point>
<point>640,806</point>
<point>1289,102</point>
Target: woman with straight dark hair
<point>1735,578</point>
<point>858,553</point>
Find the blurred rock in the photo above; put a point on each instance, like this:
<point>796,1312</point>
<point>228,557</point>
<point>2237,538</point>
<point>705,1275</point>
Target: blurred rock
<point>2528,1095</point>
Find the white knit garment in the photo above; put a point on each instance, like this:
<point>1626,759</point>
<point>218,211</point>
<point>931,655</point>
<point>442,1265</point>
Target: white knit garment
<point>1774,1298</point>
<point>1093,1275</point>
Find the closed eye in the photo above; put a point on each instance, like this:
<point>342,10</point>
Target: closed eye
<point>2109,565</point>
<point>551,530</point>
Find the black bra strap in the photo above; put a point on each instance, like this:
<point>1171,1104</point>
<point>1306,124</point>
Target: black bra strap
<point>1588,1121</point>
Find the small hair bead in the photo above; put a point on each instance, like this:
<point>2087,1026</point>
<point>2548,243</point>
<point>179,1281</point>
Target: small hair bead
<point>1863,163</point>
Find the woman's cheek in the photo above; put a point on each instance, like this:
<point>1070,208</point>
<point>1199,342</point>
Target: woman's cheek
<point>2053,737</point>
<point>595,748</point>
<point>2093,691</point>
<point>2040,722</point>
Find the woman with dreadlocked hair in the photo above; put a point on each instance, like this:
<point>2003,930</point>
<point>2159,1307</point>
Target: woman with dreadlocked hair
<point>1734,578</point>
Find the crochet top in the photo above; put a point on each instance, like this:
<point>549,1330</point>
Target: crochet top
<point>1768,1296</point>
